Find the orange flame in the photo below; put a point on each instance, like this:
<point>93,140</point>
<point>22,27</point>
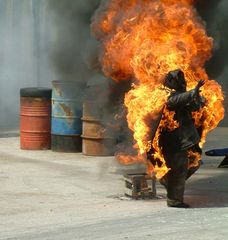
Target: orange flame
<point>144,40</point>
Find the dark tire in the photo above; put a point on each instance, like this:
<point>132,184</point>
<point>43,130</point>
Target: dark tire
<point>36,92</point>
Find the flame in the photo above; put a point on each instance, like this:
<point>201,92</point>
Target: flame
<point>194,158</point>
<point>144,40</point>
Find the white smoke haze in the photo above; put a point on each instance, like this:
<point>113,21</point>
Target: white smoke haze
<point>41,41</point>
<point>45,40</point>
<point>25,34</point>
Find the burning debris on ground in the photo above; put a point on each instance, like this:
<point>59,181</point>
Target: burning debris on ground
<point>140,186</point>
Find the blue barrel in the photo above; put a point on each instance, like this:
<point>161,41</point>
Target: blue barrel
<point>66,117</point>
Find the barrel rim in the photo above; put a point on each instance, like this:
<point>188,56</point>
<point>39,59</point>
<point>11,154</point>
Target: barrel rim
<point>91,120</point>
<point>36,92</point>
<point>66,135</point>
<point>65,117</point>
<point>97,138</point>
<point>59,100</point>
<point>63,82</point>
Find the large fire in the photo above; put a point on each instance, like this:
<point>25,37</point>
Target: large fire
<point>144,40</point>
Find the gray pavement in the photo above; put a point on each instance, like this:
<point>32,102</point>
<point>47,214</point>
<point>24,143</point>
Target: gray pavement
<point>47,195</point>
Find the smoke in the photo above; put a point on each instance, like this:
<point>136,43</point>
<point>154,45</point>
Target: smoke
<point>214,13</point>
<point>49,40</point>
<point>75,56</point>
<point>74,52</point>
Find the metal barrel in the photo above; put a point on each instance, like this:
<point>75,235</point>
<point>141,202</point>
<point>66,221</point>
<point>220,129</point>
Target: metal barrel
<point>96,141</point>
<point>66,117</point>
<point>35,118</point>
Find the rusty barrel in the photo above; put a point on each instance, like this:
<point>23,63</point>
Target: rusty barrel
<point>35,118</point>
<point>66,117</point>
<point>96,140</point>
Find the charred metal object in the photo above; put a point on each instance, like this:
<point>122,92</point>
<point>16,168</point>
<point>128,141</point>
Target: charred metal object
<point>140,186</point>
<point>224,163</point>
<point>220,153</point>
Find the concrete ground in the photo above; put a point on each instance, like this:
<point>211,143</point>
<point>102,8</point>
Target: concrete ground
<point>47,195</point>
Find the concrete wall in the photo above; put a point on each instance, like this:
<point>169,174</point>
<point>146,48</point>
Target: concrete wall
<point>26,35</point>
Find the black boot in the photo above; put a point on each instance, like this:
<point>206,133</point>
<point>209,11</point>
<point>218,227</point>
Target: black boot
<point>171,203</point>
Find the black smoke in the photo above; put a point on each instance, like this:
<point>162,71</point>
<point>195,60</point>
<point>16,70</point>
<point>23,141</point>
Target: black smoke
<point>214,13</point>
<point>75,56</point>
<point>75,51</point>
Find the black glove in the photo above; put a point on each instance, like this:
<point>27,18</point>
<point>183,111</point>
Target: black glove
<point>199,85</point>
<point>196,91</point>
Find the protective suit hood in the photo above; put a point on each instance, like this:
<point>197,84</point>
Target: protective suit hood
<point>176,80</point>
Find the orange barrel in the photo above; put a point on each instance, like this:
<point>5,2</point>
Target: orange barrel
<point>35,118</point>
<point>96,140</point>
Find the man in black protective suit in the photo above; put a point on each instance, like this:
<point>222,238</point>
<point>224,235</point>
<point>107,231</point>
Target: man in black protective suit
<point>175,144</point>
